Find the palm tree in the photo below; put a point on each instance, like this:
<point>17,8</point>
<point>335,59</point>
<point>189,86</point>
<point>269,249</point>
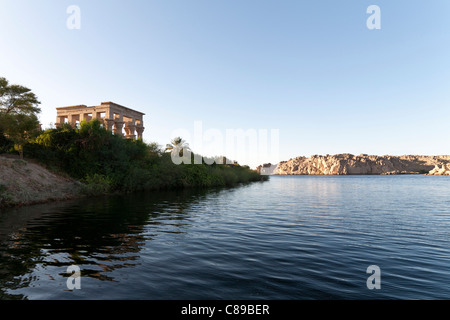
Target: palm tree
<point>177,145</point>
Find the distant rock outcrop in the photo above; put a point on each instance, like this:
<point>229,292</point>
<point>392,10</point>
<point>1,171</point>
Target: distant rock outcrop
<point>348,164</point>
<point>441,170</point>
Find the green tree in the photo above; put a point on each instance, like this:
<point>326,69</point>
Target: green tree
<point>154,148</point>
<point>19,128</point>
<point>16,99</point>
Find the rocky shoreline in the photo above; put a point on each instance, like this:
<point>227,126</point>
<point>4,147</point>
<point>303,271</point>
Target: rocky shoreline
<point>363,164</point>
<point>441,170</point>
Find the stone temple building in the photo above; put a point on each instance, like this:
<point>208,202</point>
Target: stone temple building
<point>116,118</point>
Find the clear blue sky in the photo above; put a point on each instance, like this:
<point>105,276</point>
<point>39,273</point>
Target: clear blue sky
<point>311,69</point>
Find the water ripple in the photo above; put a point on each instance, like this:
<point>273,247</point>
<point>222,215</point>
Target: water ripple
<point>290,238</point>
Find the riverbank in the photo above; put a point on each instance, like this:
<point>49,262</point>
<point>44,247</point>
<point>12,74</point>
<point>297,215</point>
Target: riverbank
<point>90,160</point>
<point>25,182</point>
<point>29,182</point>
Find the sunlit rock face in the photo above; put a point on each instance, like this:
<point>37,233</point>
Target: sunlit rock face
<point>348,164</point>
<point>441,170</point>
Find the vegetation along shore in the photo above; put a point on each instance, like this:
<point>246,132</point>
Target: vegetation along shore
<point>70,161</point>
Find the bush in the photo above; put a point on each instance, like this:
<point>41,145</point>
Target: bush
<point>6,145</point>
<point>105,162</point>
<point>96,184</point>
<point>5,197</point>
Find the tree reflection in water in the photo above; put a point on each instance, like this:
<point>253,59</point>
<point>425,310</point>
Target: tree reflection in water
<point>99,235</point>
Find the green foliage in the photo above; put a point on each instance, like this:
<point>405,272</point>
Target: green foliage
<point>19,128</point>
<point>6,144</point>
<point>96,184</point>
<point>105,162</point>
<point>16,99</point>
<point>5,197</point>
<point>18,120</point>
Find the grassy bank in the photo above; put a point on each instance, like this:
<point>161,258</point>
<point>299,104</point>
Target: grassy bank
<point>106,163</point>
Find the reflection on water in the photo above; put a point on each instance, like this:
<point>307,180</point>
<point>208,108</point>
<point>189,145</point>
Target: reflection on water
<point>289,238</point>
<point>99,235</point>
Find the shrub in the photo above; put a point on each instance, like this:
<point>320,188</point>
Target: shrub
<point>5,197</point>
<point>106,162</point>
<point>96,184</point>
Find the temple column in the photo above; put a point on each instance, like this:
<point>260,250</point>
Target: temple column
<point>118,126</point>
<point>73,119</point>
<point>129,129</point>
<point>85,117</point>
<point>59,121</point>
<point>108,123</point>
<point>139,130</point>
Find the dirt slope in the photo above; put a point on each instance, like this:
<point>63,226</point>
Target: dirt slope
<point>24,182</point>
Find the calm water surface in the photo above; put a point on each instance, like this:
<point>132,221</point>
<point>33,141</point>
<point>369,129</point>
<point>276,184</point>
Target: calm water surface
<point>293,237</point>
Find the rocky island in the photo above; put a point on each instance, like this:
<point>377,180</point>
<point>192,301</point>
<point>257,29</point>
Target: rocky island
<point>363,164</point>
